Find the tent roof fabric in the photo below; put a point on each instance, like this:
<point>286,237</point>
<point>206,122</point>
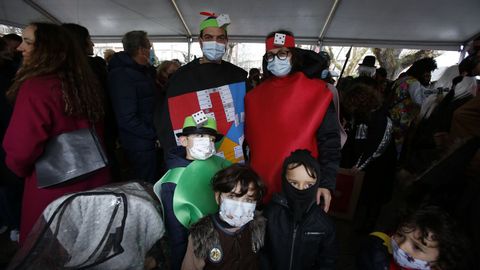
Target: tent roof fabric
<point>435,24</point>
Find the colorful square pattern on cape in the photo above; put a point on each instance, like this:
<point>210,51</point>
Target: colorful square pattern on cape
<point>225,104</point>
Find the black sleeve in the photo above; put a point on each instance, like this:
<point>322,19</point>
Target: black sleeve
<point>329,148</point>
<point>373,255</point>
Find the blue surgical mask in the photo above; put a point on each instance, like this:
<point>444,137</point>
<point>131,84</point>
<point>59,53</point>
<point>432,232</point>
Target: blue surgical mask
<point>213,50</point>
<point>279,67</point>
<point>325,73</point>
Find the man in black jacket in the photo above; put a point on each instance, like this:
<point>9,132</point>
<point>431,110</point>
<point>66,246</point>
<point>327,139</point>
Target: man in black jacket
<point>132,88</point>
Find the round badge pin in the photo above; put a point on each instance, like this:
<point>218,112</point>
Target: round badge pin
<point>215,255</point>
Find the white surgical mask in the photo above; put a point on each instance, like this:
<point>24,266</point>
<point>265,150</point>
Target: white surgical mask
<point>403,259</point>
<point>202,148</point>
<point>213,50</point>
<point>236,213</point>
<point>279,67</point>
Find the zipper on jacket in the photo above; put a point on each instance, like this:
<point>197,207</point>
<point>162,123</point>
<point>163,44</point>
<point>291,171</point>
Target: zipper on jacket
<point>314,233</point>
<point>293,245</point>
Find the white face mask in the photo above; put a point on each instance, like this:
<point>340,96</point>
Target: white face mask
<point>213,50</point>
<point>236,213</point>
<point>279,67</point>
<point>403,259</point>
<point>202,148</point>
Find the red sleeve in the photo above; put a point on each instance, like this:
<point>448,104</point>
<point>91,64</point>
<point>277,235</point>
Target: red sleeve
<point>28,129</point>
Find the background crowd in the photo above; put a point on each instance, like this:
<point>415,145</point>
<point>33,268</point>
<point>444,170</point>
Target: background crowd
<point>415,142</point>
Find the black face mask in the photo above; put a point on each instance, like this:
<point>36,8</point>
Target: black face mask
<point>299,200</point>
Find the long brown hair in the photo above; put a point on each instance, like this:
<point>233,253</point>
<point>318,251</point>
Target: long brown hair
<point>55,52</point>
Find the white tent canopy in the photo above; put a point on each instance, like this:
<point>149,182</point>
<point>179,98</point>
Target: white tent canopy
<point>435,24</point>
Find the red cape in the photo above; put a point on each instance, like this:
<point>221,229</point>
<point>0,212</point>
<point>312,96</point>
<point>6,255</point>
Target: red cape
<point>283,115</point>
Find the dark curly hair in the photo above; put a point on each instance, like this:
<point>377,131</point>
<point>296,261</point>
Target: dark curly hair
<point>361,99</point>
<point>422,66</point>
<point>436,225</point>
<point>227,179</point>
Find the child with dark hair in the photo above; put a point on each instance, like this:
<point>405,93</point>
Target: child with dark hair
<point>232,237</point>
<point>299,233</point>
<point>185,190</point>
<point>424,239</point>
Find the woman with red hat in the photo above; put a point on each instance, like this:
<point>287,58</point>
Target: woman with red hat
<point>290,111</point>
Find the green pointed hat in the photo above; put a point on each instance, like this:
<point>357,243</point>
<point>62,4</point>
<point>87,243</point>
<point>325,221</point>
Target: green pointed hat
<point>208,127</point>
<point>222,20</point>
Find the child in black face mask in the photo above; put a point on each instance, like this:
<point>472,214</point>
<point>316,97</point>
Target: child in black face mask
<point>299,233</point>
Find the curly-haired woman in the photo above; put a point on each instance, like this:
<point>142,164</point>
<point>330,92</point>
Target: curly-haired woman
<point>54,92</point>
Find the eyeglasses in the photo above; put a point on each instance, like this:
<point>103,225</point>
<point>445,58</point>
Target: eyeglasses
<point>281,55</point>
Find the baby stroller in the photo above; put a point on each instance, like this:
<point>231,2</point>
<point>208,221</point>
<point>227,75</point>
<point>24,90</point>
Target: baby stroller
<point>111,227</point>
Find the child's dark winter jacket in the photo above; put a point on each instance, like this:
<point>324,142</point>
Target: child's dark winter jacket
<point>310,244</point>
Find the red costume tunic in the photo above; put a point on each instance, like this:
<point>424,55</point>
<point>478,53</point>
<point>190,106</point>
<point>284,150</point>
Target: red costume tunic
<point>39,115</point>
<point>283,114</point>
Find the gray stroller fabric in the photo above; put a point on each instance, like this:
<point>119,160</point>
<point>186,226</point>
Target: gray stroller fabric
<point>107,228</point>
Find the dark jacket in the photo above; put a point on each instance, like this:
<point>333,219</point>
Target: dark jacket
<point>373,254</point>
<point>132,89</point>
<point>329,148</point>
<point>371,148</point>
<point>310,244</point>
<point>176,157</point>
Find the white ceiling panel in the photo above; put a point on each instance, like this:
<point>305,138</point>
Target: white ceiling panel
<point>440,24</point>
<point>406,21</point>
<point>116,17</point>
<point>257,18</point>
<point>18,13</point>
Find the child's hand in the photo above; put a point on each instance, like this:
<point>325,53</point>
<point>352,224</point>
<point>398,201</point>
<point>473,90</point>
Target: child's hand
<point>327,197</point>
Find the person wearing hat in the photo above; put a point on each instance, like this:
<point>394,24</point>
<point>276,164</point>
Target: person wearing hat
<point>290,111</point>
<point>185,190</point>
<point>367,67</point>
<point>197,84</point>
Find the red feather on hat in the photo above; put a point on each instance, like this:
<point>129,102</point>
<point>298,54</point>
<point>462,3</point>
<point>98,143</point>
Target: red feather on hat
<point>208,14</point>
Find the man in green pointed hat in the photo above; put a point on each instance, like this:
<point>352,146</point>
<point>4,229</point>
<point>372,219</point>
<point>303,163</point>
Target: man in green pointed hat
<point>208,72</point>
<point>185,190</point>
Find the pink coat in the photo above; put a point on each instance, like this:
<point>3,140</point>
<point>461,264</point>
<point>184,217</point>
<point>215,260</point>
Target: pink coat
<point>39,115</point>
